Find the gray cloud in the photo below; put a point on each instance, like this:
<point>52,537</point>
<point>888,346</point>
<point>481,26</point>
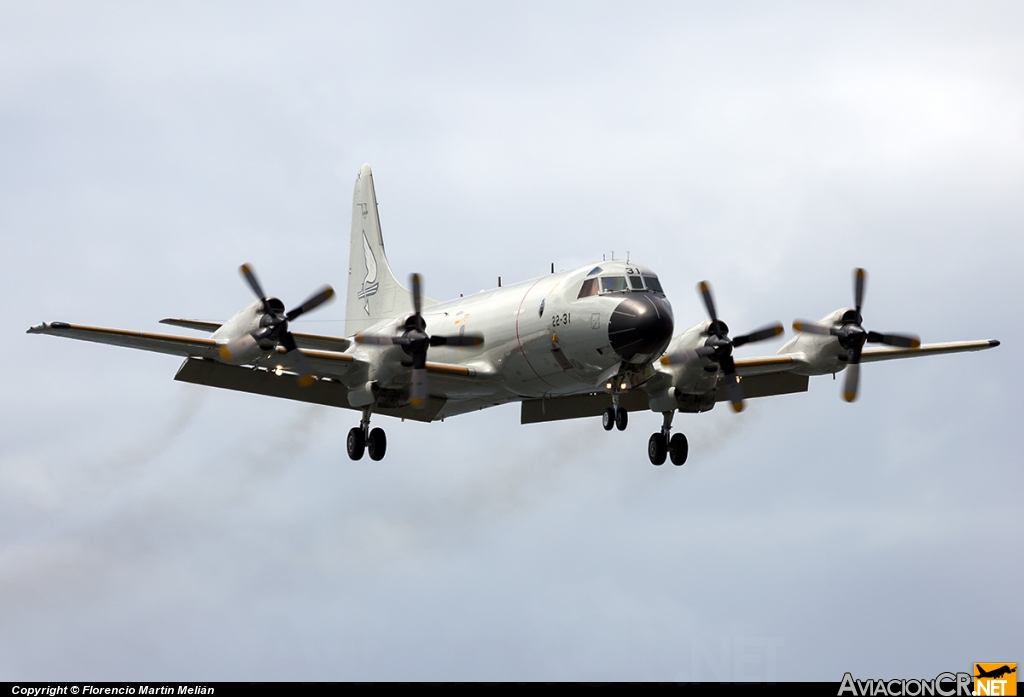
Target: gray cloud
<point>149,151</point>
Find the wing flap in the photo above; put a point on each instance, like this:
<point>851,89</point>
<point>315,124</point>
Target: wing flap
<point>764,365</point>
<point>329,393</point>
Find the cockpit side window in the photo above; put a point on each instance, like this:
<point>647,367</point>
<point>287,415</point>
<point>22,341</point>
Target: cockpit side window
<point>653,284</point>
<point>613,284</point>
<point>635,283</point>
<point>588,288</point>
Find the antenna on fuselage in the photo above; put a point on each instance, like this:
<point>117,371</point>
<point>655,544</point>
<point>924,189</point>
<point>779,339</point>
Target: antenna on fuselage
<point>499,281</point>
<point>552,267</point>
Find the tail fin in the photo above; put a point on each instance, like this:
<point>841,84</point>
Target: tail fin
<point>373,292</point>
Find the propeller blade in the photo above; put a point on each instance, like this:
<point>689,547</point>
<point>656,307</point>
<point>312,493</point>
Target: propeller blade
<point>732,384</point>
<point>417,299</point>
<point>312,302</point>
<point>457,340</point>
<point>250,277</point>
<point>709,302</point>
<point>769,332</point>
<point>900,340</point>
<point>734,392</point>
<point>298,361</point>
<point>687,355</point>
<point>418,396</point>
<point>859,278</point>
<point>802,325</point>
<point>852,374</point>
<point>376,339</point>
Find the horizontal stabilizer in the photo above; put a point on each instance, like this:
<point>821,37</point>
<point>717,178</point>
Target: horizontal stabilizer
<point>316,342</point>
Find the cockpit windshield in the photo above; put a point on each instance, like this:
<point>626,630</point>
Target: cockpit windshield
<point>613,284</point>
<point>619,284</point>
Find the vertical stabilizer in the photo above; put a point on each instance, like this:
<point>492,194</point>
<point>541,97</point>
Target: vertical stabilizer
<point>373,292</point>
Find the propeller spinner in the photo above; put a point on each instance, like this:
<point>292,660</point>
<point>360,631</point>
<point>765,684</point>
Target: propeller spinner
<point>718,347</point>
<point>274,325</point>
<point>415,341</point>
<point>852,336</point>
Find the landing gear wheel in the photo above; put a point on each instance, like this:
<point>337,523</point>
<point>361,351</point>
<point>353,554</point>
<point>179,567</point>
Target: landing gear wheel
<point>356,443</point>
<point>656,449</point>
<point>377,444</point>
<point>678,449</point>
<point>621,419</point>
<point>608,419</point>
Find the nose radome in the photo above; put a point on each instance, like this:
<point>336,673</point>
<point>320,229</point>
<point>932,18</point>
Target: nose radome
<point>640,327</point>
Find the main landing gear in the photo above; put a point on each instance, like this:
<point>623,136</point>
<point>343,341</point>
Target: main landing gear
<point>361,439</point>
<point>661,444</point>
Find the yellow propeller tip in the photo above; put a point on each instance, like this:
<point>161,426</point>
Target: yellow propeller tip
<point>703,286</point>
<point>850,396</point>
<point>798,326</point>
<point>665,360</point>
<point>737,407</point>
<point>306,381</point>
<point>417,403</point>
<point>225,355</point>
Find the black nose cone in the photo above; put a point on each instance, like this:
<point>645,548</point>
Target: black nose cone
<point>641,327</point>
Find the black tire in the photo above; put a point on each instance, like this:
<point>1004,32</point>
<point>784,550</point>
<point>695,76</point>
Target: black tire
<point>621,419</point>
<point>656,449</point>
<point>355,443</point>
<point>608,419</point>
<point>678,449</point>
<point>377,444</point>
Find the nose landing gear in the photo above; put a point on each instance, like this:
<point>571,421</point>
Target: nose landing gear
<point>361,439</point>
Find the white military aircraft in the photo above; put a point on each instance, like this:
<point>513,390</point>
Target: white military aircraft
<point>594,341</point>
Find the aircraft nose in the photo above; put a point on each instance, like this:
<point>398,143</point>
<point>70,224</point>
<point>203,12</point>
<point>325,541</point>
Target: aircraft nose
<point>640,327</point>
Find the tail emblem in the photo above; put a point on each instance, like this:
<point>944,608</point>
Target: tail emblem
<point>370,283</point>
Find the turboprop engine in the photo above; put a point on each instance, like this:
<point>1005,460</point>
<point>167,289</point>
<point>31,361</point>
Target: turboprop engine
<point>263,326</point>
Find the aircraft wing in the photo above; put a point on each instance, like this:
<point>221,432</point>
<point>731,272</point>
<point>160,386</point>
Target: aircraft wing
<point>310,341</point>
<point>160,343</point>
<point>888,353</point>
<point>329,363</point>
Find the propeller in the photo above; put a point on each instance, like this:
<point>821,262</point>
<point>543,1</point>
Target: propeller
<point>274,324</point>
<point>718,347</point>
<point>852,335</point>
<point>415,341</point>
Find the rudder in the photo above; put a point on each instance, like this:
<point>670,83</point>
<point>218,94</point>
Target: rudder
<point>374,293</point>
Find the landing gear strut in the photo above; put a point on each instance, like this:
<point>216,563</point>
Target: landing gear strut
<point>361,439</point>
<point>661,444</point>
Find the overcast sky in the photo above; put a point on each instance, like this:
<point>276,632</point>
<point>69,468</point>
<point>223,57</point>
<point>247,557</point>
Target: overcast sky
<point>155,530</point>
